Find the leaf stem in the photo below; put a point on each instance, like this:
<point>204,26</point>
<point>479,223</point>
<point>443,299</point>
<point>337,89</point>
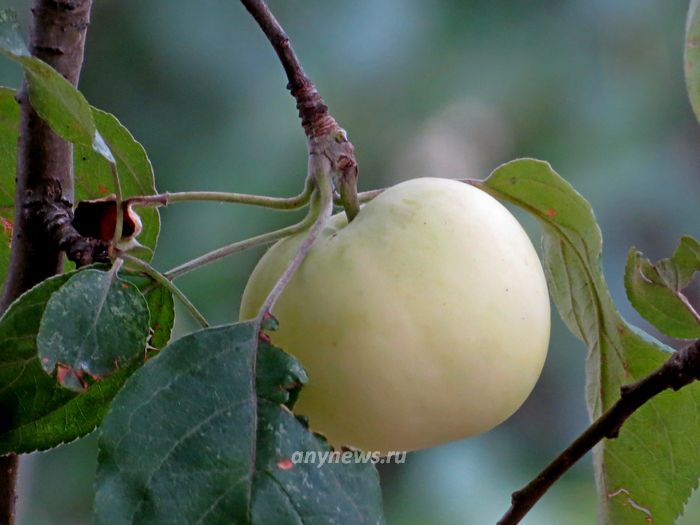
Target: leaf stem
<point>320,215</point>
<point>239,246</point>
<point>349,198</point>
<point>116,266</point>
<point>366,196</point>
<point>277,203</point>
<point>164,281</point>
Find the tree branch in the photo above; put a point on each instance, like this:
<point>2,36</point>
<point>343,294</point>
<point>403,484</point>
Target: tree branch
<point>312,110</point>
<point>325,136</point>
<point>44,178</point>
<point>681,369</point>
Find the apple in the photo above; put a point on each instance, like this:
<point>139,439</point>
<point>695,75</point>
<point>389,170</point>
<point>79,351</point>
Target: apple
<point>424,320</point>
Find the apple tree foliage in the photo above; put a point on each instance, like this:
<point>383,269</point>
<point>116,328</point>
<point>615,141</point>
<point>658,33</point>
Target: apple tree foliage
<point>200,430</point>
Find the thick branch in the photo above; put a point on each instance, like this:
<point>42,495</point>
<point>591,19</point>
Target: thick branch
<point>44,174</point>
<point>681,369</point>
<point>44,160</point>
<point>57,216</point>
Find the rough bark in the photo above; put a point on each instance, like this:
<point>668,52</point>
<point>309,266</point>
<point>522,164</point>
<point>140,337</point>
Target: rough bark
<point>44,178</point>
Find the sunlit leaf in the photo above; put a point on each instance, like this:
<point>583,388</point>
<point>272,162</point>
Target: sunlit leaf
<point>679,269</point>
<point>10,40</point>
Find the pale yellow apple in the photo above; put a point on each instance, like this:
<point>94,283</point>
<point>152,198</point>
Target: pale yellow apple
<point>424,321</point>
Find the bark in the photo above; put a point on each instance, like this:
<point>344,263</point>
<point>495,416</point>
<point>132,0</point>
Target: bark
<point>44,191</point>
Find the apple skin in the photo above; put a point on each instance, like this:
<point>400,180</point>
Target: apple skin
<point>424,321</point>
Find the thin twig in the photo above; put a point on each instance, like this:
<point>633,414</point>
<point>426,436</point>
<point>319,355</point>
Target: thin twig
<point>325,137</point>
<point>681,369</point>
<point>164,281</point>
<point>312,110</point>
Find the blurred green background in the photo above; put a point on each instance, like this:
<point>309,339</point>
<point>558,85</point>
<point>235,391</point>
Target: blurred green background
<point>450,88</point>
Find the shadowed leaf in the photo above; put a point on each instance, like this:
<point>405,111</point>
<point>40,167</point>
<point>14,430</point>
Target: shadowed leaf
<point>37,412</point>
<point>188,441</point>
<point>9,125</point>
<point>93,177</point>
<point>95,324</point>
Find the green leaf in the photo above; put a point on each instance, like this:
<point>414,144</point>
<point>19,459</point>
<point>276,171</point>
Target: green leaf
<point>99,138</point>
<point>678,271</point>
<point>9,34</point>
<point>692,55</point>
<point>655,290</point>
<point>95,324</point>
<point>9,124</point>
<point>160,305</point>
<point>650,470</point>
<point>38,413</point>
<point>188,441</point>
<point>93,177</point>
<point>54,99</point>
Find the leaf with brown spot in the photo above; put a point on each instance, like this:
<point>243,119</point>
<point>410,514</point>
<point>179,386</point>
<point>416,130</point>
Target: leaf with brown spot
<point>194,438</point>
<point>653,458</point>
<point>38,413</point>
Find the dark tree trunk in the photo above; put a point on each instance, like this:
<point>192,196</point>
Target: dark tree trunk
<point>44,176</point>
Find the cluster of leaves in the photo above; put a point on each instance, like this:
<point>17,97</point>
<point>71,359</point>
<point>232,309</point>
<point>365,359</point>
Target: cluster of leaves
<point>38,412</point>
<point>199,430</point>
<point>203,431</point>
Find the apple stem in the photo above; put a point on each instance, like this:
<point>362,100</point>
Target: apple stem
<point>277,203</point>
<point>323,196</point>
<point>366,196</point>
<point>165,282</point>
